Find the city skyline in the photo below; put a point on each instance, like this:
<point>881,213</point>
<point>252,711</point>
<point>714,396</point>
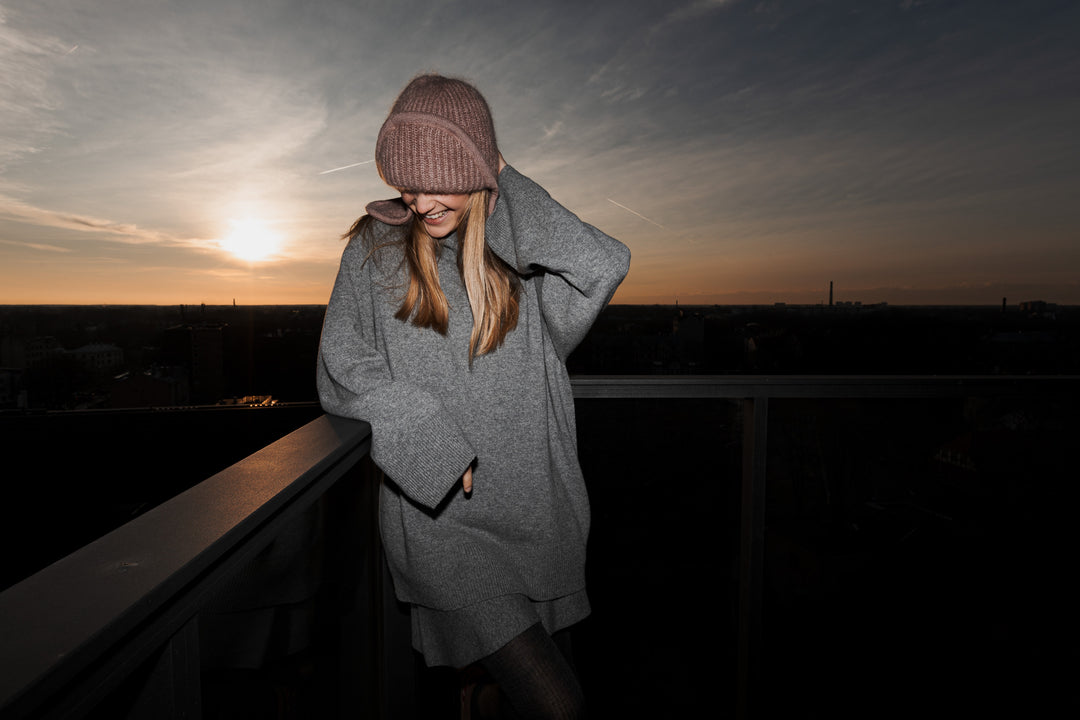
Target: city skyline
<point>912,151</point>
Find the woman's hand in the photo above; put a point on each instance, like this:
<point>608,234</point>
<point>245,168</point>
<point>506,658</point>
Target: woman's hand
<point>466,480</point>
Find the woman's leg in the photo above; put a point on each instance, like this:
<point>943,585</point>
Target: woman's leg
<point>536,679</point>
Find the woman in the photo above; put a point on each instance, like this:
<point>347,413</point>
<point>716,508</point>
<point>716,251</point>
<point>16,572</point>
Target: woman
<point>448,329</point>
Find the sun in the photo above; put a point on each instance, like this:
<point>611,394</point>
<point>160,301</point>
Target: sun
<point>251,240</point>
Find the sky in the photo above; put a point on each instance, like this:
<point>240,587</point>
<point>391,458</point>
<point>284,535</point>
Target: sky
<point>747,151</point>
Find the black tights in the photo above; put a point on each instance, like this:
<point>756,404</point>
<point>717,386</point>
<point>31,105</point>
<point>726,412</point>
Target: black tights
<point>536,676</point>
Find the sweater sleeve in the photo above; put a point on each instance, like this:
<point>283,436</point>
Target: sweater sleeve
<point>414,440</point>
<point>579,267</point>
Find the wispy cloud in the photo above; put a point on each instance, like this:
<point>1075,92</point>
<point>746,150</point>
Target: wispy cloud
<point>552,130</point>
<point>696,9</point>
<point>27,61</point>
<point>122,232</point>
<point>36,246</point>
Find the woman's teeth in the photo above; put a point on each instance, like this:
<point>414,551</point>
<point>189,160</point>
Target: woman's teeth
<point>436,216</point>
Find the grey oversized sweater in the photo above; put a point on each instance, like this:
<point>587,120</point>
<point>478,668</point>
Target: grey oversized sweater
<point>525,525</point>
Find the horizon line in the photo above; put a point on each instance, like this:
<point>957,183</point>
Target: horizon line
<point>777,304</point>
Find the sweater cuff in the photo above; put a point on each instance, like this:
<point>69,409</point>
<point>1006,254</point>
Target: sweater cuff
<point>432,462</point>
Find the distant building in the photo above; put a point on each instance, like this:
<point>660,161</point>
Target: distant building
<point>12,352</point>
<point>99,357</point>
<point>1039,308</point>
<point>199,347</point>
<point>38,350</point>
<point>12,394</point>
<point>157,387</point>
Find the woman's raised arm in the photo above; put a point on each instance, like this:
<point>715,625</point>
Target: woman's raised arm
<point>581,266</point>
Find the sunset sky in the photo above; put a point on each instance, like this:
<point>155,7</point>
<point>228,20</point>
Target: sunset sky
<point>747,151</point>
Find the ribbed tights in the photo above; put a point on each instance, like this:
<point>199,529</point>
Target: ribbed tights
<point>536,676</point>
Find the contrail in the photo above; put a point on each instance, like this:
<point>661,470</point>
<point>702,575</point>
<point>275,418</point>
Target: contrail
<point>637,213</point>
<point>346,167</point>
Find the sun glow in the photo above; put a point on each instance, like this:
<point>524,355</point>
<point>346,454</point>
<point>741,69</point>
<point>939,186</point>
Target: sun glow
<point>251,240</point>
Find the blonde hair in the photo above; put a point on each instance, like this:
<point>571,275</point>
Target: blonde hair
<point>492,286</point>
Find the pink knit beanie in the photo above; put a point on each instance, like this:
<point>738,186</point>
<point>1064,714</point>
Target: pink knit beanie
<point>439,138</point>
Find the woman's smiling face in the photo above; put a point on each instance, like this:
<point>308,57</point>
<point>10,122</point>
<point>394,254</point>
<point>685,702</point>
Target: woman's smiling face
<point>441,214</point>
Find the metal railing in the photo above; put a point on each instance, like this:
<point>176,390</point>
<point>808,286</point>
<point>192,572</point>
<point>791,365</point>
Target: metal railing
<point>129,604</point>
<point>755,393</point>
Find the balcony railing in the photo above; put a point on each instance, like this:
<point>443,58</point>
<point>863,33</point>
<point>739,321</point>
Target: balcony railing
<point>146,621</point>
<point>113,630</point>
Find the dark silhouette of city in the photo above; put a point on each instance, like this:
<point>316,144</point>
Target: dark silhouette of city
<point>95,357</point>
<point>928,531</point>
